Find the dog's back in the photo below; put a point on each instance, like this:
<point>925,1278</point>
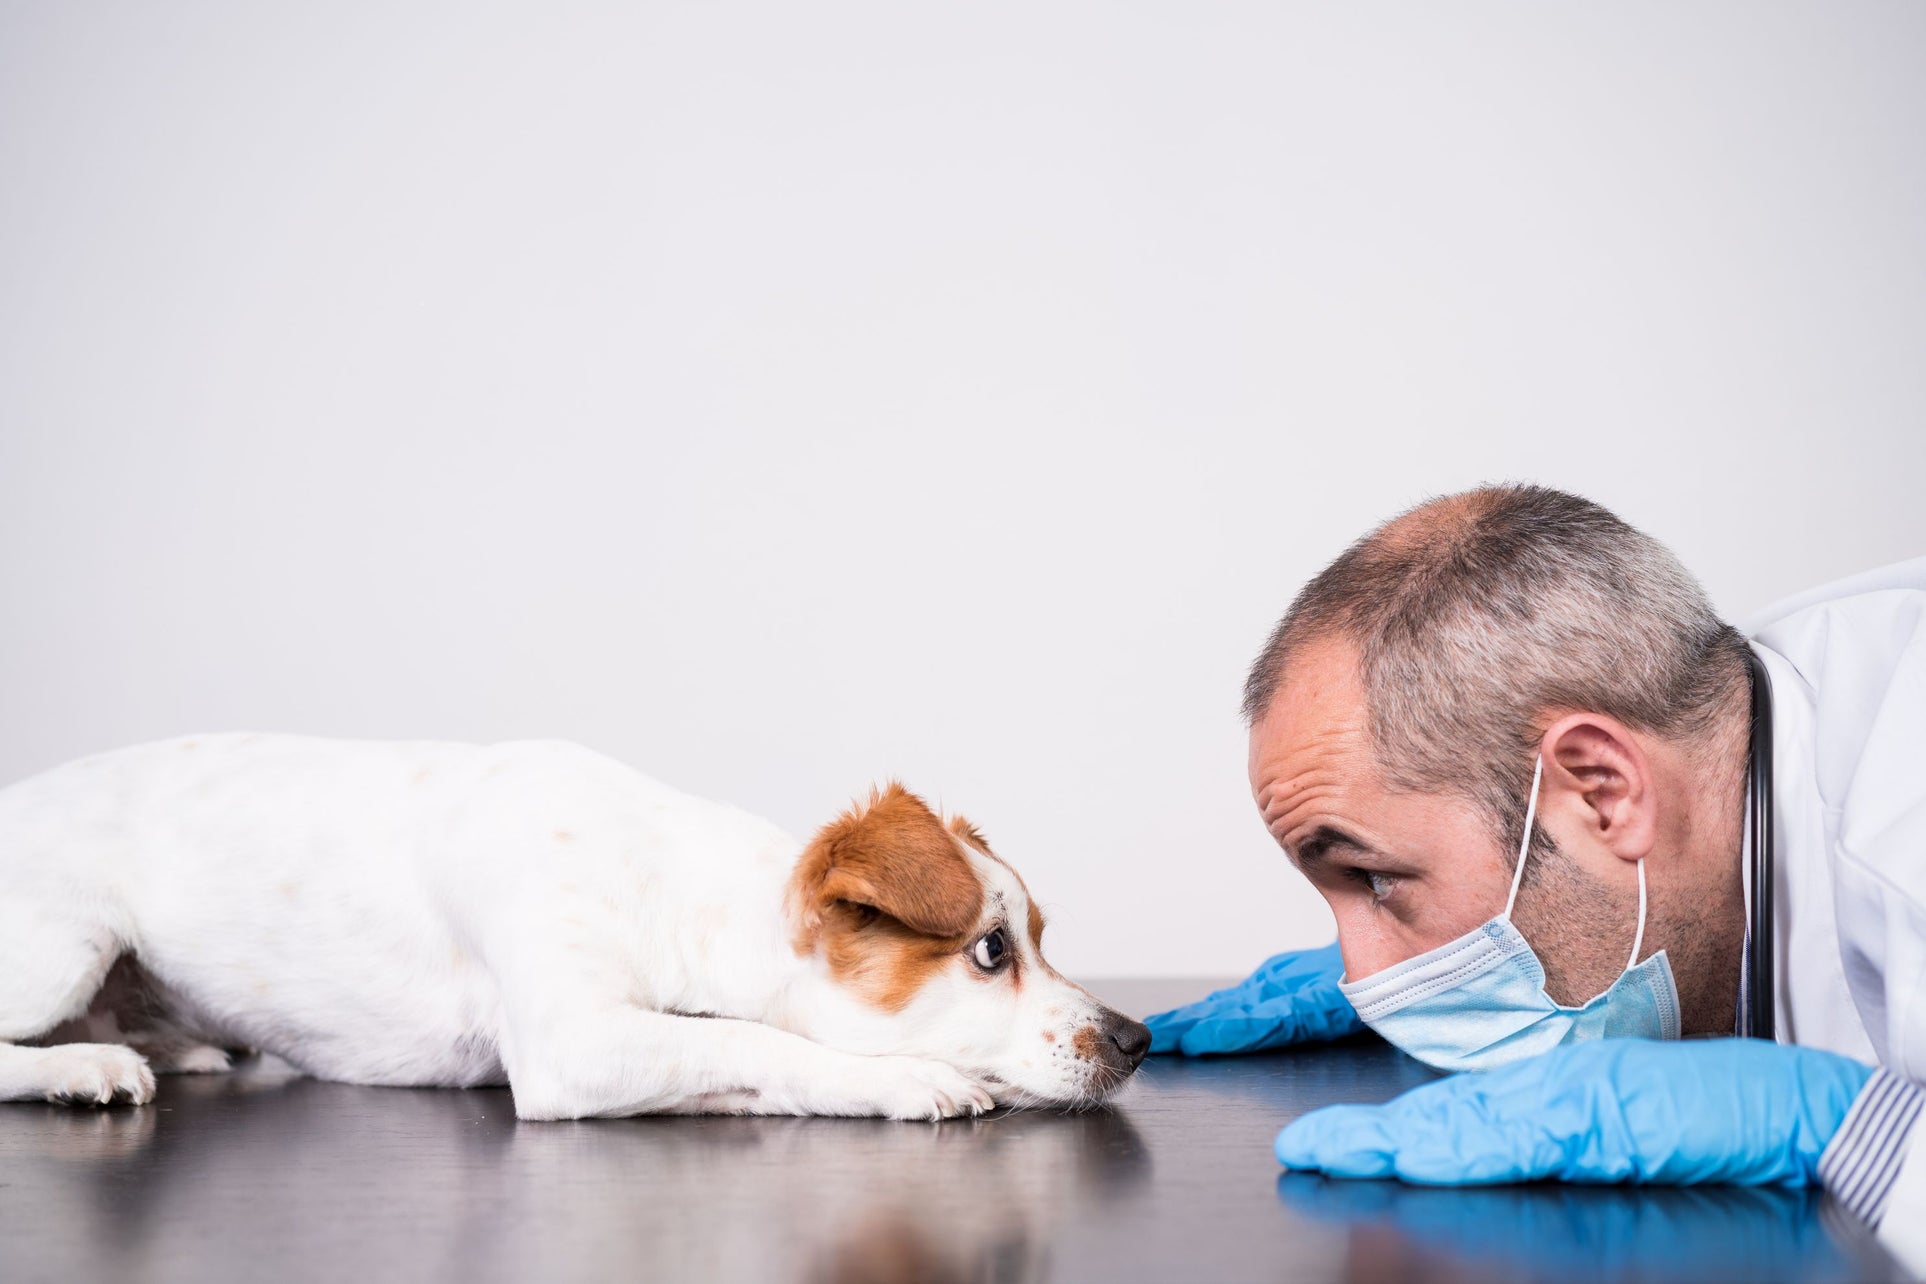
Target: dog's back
<point>327,900</point>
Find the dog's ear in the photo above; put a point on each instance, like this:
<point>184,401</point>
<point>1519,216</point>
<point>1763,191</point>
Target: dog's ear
<point>893,855</point>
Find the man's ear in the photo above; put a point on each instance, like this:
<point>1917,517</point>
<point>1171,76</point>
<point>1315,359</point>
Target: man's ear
<point>1597,776</point>
<point>893,855</point>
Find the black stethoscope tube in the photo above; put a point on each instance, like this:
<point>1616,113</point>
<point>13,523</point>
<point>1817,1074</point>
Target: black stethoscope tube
<point>1759,828</point>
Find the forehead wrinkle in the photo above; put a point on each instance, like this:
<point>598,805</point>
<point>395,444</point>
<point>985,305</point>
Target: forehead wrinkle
<point>1289,802</point>
<point>1304,812</point>
<point>1337,736</point>
<point>1304,773</point>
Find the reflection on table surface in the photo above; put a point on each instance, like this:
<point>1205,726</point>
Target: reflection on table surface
<point>264,1174</point>
<point>1399,1232</point>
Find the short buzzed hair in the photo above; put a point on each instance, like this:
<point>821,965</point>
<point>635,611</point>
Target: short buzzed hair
<point>1477,615</point>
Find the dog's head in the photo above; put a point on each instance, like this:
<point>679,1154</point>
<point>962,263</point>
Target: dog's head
<point>930,946</point>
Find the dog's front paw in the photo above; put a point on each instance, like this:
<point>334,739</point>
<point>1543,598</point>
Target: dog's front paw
<point>915,1088</point>
<point>97,1074</point>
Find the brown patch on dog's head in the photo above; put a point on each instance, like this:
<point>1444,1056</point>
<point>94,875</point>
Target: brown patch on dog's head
<point>894,856</point>
<point>886,893</point>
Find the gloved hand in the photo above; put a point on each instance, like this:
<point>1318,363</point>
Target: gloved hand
<point>1616,1110</point>
<point>1292,998</point>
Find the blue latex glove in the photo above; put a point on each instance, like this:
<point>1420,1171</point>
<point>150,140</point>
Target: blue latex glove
<point>1292,998</point>
<point>1616,1110</point>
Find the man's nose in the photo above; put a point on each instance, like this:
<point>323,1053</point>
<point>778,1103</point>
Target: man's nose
<point>1130,1038</point>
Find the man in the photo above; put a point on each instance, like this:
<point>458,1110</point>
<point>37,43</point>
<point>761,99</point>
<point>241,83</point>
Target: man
<point>1509,741</point>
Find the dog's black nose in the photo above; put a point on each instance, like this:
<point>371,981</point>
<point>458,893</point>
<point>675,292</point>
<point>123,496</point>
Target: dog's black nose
<point>1132,1038</point>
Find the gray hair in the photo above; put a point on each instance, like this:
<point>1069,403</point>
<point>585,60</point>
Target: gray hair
<point>1477,615</point>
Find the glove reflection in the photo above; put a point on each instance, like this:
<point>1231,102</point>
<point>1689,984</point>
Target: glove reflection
<point>1399,1231</point>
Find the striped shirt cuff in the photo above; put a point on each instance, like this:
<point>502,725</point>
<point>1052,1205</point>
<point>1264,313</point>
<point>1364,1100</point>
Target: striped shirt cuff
<point>1862,1160</point>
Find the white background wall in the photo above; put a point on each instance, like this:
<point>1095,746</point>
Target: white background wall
<point>784,396</point>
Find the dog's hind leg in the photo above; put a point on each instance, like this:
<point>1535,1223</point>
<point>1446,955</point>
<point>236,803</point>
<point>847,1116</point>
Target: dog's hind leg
<point>174,1057</point>
<point>51,966</point>
<point>131,1008</point>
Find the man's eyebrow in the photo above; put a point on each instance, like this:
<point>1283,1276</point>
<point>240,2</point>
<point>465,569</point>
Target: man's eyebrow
<point>1315,846</point>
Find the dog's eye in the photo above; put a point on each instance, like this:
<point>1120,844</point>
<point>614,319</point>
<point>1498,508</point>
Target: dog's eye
<point>990,950</point>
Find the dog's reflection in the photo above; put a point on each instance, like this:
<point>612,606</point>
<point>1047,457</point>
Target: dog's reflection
<point>64,1135</point>
<point>448,1184</point>
<point>859,1201</point>
<point>982,1203</point>
<point>1550,1231</point>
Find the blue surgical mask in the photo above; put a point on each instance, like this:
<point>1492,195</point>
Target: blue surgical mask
<point>1480,1001</point>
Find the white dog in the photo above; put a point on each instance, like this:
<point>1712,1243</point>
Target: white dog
<point>455,915</point>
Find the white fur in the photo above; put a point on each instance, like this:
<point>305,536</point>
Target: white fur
<point>441,914</point>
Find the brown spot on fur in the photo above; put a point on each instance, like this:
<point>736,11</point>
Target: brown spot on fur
<point>1049,1036</point>
<point>1087,1042</point>
<point>564,836</point>
<point>886,895</point>
<point>1036,924</point>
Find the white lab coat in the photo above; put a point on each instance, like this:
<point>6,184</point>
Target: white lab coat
<point>1847,665</point>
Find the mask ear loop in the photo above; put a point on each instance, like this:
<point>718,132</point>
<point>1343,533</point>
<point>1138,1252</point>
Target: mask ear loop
<point>1531,814</point>
<point>1518,875</point>
<point>1639,939</point>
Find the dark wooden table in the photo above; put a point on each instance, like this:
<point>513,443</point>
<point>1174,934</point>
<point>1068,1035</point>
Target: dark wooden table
<point>263,1175</point>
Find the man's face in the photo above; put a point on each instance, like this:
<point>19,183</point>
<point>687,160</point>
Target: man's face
<point>1403,872</point>
<point>1407,872</point>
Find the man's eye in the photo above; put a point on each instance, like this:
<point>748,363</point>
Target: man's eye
<point>1380,885</point>
<point>990,950</point>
